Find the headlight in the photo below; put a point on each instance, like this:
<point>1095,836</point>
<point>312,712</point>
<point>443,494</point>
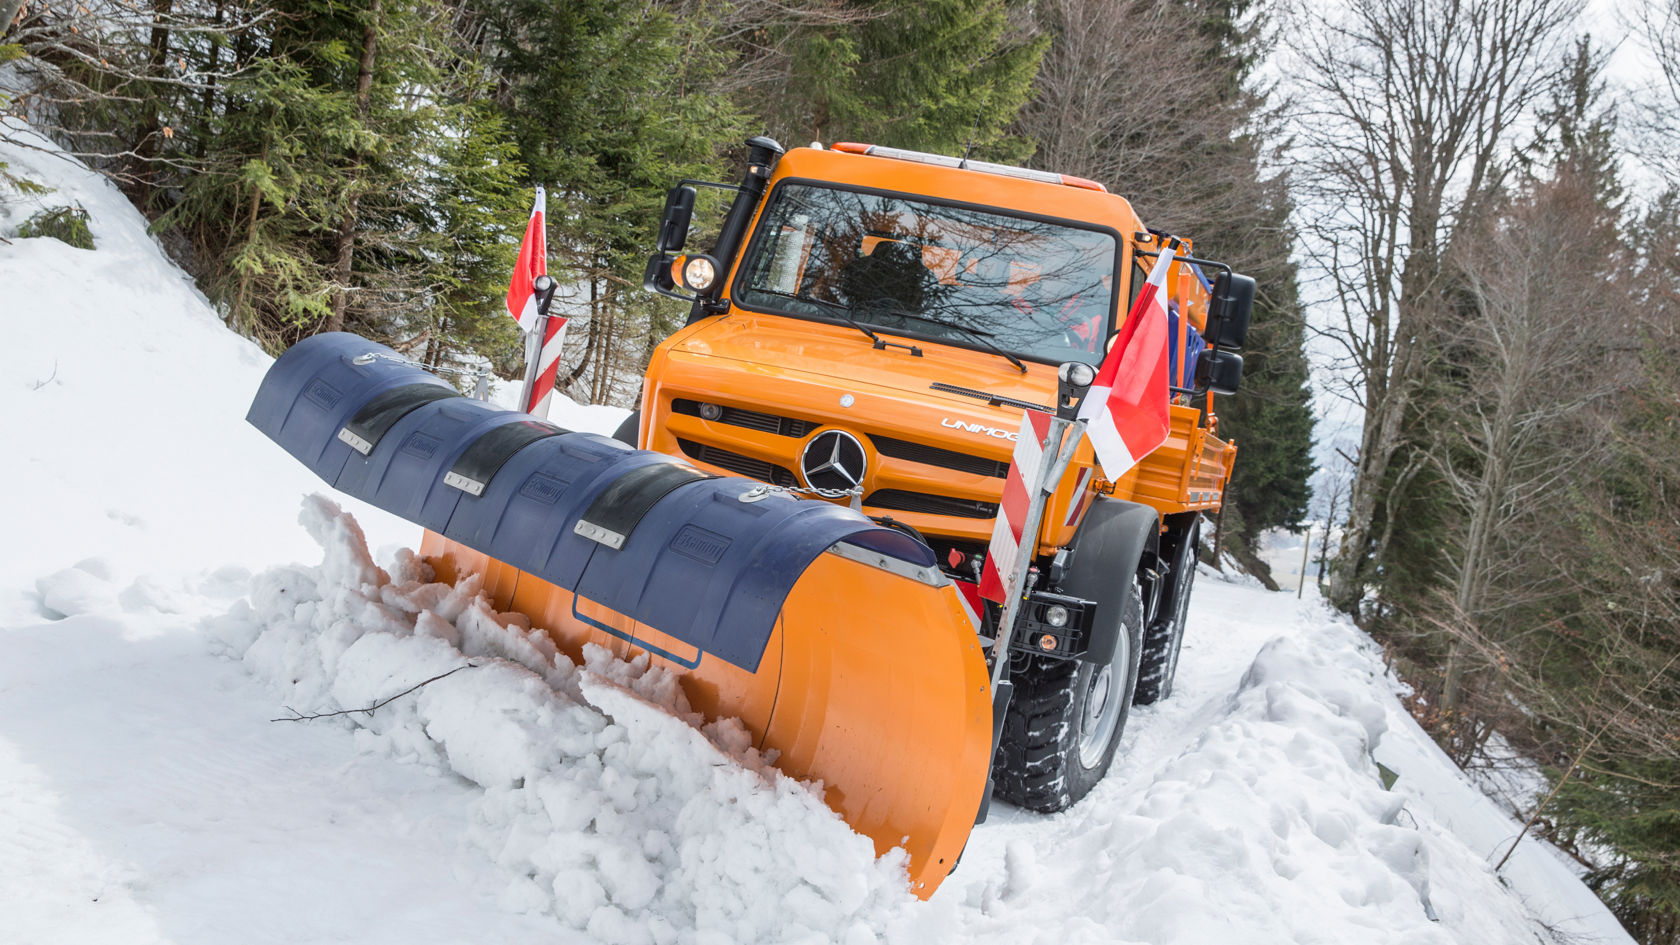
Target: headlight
<point>1056,616</point>
<point>710,411</point>
<point>1077,374</point>
<point>699,273</point>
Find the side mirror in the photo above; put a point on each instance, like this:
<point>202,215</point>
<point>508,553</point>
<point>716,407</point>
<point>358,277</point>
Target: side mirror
<point>1229,310</point>
<point>673,223</point>
<point>657,276</point>
<point>1219,371</point>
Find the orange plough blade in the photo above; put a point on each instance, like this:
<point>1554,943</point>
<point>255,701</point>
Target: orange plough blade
<point>872,684</point>
<point>836,640</point>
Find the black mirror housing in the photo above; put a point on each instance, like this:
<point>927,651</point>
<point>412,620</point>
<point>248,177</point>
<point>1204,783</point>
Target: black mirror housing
<point>673,223</point>
<point>1230,309</point>
<point>657,276</point>
<point>1219,371</point>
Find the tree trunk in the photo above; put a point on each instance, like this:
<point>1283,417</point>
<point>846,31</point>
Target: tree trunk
<point>1387,401</point>
<point>8,12</point>
<point>207,101</point>
<point>347,223</point>
<point>150,127</point>
<point>592,337</point>
<point>242,291</point>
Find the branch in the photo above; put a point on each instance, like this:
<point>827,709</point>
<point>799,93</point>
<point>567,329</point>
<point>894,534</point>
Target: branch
<point>298,717</point>
<point>1577,762</point>
<point>40,384</point>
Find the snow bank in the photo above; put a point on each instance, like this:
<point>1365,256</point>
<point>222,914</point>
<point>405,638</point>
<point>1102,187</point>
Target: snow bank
<point>1270,825</point>
<point>122,410</point>
<point>122,407</point>
<point>605,799</point>
<point>610,805</point>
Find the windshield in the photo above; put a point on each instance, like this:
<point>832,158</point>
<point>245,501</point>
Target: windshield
<point>1038,289</point>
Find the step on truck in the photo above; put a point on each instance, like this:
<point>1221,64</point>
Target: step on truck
<point>794,520</point>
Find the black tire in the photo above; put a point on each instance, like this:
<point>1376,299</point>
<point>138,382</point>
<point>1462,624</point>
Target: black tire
<point>1165,637</point>
<point>626,432</point>
<point>1053,751</point>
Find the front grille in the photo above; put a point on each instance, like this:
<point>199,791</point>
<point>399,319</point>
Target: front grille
<point>738,464</point>
<point>934,456</point>
<point>751,419</point>
<point>926,502</point>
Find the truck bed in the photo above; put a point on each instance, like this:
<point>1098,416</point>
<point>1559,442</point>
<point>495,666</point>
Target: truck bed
<point>1186,473</point>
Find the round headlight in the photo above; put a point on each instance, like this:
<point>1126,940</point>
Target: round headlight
<point>710,411</point>
<point>1056,616</point>
<point>1077,374</point>
<point>699,273</point>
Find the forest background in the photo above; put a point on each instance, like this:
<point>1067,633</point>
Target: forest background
<point>1446,181</point>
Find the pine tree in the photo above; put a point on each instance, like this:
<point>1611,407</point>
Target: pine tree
<point>1183,137</point>
<point>347,182</point>
<point>932,75</point>
<point>610,103</point>
<point>936,75</point>
<point>1613,701</point>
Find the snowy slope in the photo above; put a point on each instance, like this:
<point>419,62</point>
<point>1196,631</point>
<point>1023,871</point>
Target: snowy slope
<point>164,599</point>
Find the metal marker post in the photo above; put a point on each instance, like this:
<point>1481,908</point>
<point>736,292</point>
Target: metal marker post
<point>1306,548</point>
<point>1058,452</point>
<point>543,288</point>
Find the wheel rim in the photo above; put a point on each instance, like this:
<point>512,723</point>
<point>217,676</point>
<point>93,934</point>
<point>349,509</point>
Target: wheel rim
<point>1102,709</point>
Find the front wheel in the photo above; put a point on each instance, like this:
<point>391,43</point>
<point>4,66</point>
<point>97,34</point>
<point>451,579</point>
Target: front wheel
<point>1066,719</point>
<point>628,430</point>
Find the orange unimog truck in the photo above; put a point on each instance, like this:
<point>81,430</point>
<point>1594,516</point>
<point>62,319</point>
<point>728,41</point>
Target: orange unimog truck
<point>868,329</point>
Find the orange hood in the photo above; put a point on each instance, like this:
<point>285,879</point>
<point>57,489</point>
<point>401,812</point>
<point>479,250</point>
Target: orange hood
<point>774,344</point>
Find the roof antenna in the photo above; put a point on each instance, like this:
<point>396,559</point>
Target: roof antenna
<point>973,132</point>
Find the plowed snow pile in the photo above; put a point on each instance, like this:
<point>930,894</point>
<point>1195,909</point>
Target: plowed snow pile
<point>608,803</point>
<point>500,793</point>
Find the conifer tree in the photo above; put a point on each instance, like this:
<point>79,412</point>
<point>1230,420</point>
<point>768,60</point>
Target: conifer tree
<point>936,76</point>
<point>346,182</point>
<point>611,103</point>
<point>1183,136</point>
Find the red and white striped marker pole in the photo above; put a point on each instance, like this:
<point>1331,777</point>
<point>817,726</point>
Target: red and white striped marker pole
<point>1042,453</point>
<point>542,366</point>
<point>529,294</point>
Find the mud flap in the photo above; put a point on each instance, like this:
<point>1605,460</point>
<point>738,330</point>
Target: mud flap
<point>1107,550</point>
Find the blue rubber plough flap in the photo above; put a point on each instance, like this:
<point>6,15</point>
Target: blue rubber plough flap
<point>706,560</point>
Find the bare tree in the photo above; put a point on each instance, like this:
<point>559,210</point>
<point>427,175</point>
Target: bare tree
<point>1150,126</point>
<point>1409,110</point>
<point>1657,122</point>
<point>1543,345</point>
<point>110,79</point>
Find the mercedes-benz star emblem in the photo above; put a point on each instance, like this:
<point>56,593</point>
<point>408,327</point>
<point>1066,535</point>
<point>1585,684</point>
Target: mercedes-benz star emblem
<point>833,461</point>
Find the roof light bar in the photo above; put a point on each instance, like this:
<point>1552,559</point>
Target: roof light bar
<point>986,167</point>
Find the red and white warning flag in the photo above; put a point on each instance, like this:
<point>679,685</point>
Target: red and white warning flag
<point>997,574</point>
<point>522,305</point>
<point>532,262</point>
<point>1126,407</point>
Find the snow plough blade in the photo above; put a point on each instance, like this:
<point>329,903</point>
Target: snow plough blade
<point>837,642</point>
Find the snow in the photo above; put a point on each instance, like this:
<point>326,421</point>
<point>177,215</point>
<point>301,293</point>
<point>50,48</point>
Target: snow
<point>177,598</point>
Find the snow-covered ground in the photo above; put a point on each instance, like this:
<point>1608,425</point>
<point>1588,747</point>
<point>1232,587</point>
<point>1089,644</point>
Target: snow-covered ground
<point>172,588</point>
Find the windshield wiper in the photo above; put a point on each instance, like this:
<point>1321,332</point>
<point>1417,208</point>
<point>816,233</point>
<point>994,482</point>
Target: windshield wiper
<point>984,337</point>
<point>845,314</point>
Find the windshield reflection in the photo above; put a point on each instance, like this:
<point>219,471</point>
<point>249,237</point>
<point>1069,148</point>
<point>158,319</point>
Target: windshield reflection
<point>1035,288</point>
